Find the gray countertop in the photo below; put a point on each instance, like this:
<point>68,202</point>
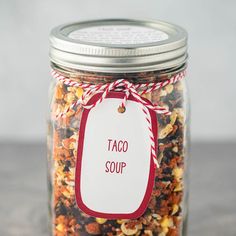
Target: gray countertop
<point>23,195</point>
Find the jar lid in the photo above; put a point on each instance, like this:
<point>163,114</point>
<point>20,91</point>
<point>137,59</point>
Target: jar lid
<point>118,45</point>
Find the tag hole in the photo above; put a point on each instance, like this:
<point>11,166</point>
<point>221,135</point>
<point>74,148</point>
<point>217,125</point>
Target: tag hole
<point>121,109</point>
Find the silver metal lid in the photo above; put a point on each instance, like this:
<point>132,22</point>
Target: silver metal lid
<point>118,45</point>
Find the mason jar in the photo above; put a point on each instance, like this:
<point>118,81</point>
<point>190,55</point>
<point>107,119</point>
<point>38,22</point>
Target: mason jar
<point>118,132</point>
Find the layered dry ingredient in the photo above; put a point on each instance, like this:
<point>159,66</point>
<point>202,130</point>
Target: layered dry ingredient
<point>164,215</point>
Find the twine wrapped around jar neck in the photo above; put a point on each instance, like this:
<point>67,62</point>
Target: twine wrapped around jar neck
<point>137,90</point>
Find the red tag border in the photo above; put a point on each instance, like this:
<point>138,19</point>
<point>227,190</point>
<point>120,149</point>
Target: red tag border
<point>151,177</point>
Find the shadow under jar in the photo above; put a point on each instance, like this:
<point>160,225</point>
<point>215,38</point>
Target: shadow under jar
<point>151,56</point>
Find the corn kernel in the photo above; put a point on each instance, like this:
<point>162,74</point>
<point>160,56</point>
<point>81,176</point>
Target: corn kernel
<point>175,209</point>
<point>60,227</point>
<point>165,230</point>
<point>166,222</point>
<point>101,220</point>
<point>178,173</point>
<point>79,92</point>
<point>178,188</point>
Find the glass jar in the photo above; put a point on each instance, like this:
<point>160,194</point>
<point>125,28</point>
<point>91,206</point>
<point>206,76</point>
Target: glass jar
<point>99,196</point>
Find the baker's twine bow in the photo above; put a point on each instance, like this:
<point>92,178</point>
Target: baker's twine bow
<point>137,90</point>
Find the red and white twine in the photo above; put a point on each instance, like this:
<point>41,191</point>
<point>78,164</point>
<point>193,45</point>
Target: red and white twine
<point>137,90</point>
<point>151,135</point>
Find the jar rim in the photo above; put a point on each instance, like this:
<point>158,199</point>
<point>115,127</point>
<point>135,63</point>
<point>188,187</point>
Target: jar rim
<point>118,45</point>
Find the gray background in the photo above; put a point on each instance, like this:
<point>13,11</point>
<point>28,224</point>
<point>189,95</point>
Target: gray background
<point>24,64</point>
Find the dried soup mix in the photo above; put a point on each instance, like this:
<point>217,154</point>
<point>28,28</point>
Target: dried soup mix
<point>164,213</point>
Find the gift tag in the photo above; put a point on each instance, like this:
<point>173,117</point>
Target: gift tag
<point>115,169</point>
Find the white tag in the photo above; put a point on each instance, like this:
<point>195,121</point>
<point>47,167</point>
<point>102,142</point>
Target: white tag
<point>115,169</point>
